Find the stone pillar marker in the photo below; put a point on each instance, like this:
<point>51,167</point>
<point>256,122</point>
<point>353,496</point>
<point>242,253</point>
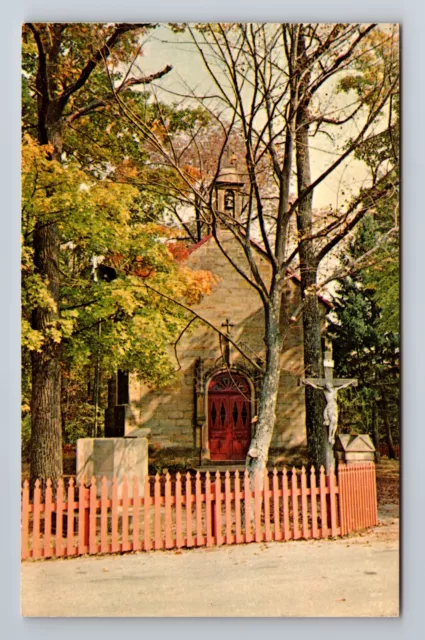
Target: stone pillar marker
<point>330,387</point>
<point>114,457</point>
<point>354,447</point>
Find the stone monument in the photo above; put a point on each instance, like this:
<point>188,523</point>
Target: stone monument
<point>114,457</point>
<point>354,447</point>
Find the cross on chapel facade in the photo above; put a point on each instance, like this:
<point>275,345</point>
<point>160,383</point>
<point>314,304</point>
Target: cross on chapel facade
<point>225,344</point>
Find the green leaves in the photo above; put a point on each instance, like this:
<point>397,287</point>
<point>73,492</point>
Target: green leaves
<point>366,341</point>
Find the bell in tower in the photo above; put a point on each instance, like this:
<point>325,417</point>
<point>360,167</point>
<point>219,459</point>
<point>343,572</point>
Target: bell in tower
<point>229,201</point>
<point>229,186</point>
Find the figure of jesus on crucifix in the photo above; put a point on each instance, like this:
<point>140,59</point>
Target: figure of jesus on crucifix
<point>330,387</point>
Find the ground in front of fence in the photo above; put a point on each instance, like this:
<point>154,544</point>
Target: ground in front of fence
<point>353,576</point>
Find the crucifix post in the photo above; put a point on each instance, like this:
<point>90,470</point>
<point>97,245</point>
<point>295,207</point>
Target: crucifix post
<point>330,387</point>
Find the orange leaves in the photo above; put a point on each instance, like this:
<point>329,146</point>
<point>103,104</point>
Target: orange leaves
<point>192,172</point>
<point>178,250</point>
<point>197,284</point>
<point>127,170</point>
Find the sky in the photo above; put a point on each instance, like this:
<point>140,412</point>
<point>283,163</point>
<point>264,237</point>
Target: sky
<point>162,46</point>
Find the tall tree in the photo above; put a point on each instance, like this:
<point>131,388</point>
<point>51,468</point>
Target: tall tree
<point>271,87</point>
<point>71,75</point>
<point>363,348</point>
<point>379,53</point>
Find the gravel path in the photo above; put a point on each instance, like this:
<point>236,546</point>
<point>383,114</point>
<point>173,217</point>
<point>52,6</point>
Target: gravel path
<point>356,576</point>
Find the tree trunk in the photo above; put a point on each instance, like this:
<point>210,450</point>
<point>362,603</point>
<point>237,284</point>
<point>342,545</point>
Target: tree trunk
<point>259,448</point>
<point>320,452</point>
<point>388,433</point>
<point>46,432</point>
<point>375,432</point>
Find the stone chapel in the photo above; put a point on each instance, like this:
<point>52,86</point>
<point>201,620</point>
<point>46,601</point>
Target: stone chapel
<point>207,416</point>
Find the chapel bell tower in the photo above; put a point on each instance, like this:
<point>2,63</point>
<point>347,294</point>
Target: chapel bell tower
<point>229,186</point>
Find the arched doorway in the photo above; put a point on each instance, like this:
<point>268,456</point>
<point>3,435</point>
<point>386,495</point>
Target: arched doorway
<point>229,416</point>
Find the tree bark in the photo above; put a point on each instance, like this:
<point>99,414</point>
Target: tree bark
<point>46,420</point>
<point>259,448</point>
<point>388,433</point>
<point>319,451</point>
<point>375,431</point>
<point>46,431</point>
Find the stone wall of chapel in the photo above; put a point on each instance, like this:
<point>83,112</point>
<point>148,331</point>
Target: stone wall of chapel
<point>170,412</point>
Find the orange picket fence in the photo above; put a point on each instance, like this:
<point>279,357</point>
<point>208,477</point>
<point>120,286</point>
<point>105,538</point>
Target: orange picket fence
<point>196,510</point>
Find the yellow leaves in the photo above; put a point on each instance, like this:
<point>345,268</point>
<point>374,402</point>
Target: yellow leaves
<point>47,148</point>
<point>66,326</point>
<point>125,299</point>
<point>54,334</point>
<point>30,338</point>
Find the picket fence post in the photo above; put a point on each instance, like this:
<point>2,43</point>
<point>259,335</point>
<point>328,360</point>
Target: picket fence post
<point>313,502</point>
<point>48,506</point>
<point>179,532</point>
<point>147,544</point>
<point>168,517</point>
<point>333,503</point>
<point>208,509</point>
<point>228,508</point>
<point>217,520</point>
<point>285,505</point>
<point>59,550</point>
<point>276,519</point>
<point>25,520</point>
<point>323,503</point>
<point>238,521</point>
<point>304,512</point>
<point>295,514</point>
<point>188,502</point>
<point>198,507</point>
<point>135,515</point>
<point>70,550</point>
<point>247,506</point>
<point>257,506</point>
<point>104,544</point>
<point>83,529</point>
<point>266,502</point>
<point>157,511</point>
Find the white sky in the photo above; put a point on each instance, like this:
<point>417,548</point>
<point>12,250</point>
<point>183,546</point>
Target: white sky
<point>162,47</point>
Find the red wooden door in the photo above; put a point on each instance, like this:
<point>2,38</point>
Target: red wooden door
<point>229,417</point>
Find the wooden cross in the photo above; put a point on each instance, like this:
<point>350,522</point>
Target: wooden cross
<point>330,387</point>
<point>227,325</point>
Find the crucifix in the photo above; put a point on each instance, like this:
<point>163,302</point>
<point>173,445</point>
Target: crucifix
<point>227,325</point>
<point>330,387</point>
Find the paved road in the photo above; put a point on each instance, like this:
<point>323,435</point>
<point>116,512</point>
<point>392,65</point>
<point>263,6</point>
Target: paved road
<point>350,577</point>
